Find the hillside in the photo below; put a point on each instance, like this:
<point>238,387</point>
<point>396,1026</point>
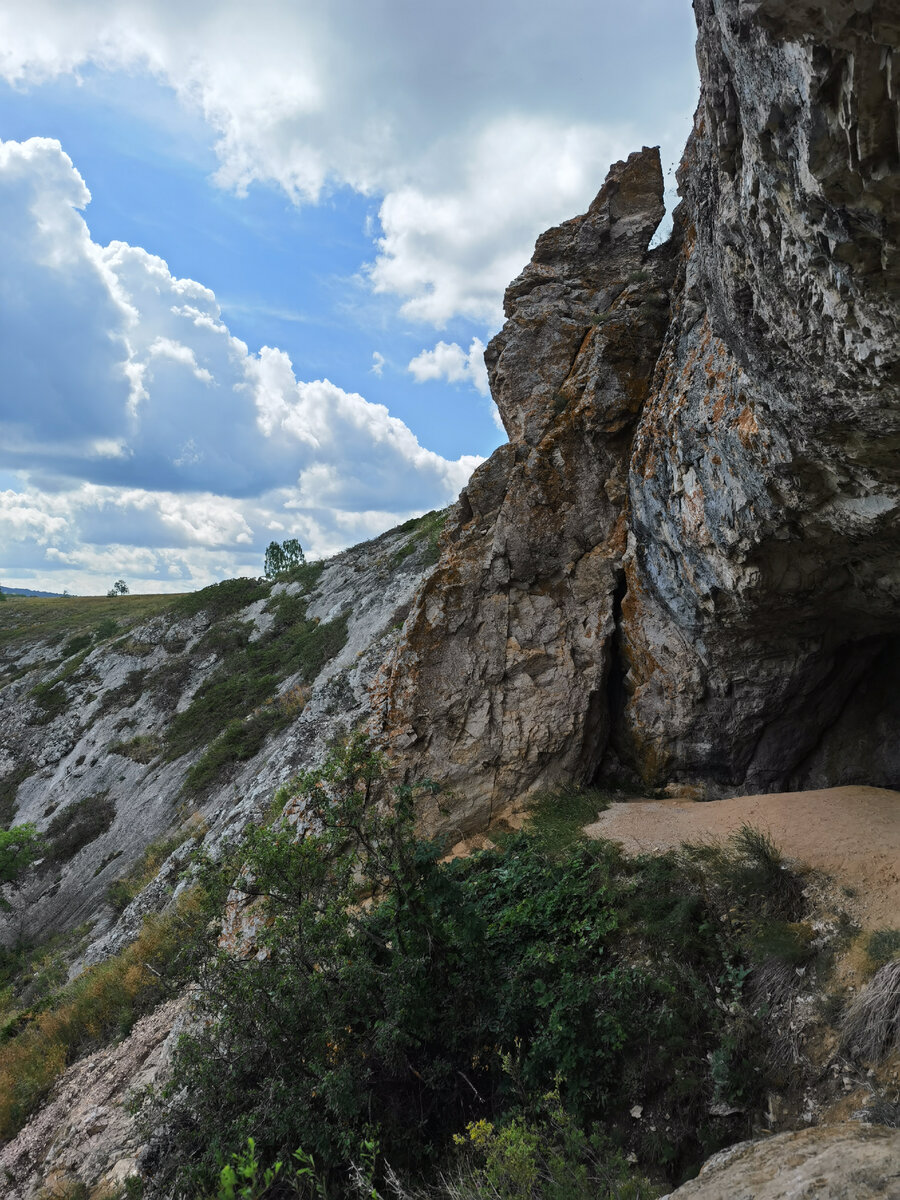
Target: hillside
<point>330,827</point>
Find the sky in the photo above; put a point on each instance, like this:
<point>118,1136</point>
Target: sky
<point>251,256</point>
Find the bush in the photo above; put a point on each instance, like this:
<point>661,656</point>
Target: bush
<point>379,993</point>
<point>19,847</point>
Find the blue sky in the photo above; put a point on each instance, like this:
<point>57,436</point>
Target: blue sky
<point>252,257</point>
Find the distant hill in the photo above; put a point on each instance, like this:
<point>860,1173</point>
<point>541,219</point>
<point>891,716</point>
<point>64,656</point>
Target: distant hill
<point>29,592</point>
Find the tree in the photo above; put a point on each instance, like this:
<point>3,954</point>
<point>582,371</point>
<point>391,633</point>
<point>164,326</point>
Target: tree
<point>19,847</point>
<point>283,557</point>
<point>119,588</point>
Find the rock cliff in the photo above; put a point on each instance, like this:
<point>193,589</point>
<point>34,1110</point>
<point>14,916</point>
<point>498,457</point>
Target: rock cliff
<point>684,564</point>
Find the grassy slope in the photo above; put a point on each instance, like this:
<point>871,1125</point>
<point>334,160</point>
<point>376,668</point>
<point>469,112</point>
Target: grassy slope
<point>29,619</point>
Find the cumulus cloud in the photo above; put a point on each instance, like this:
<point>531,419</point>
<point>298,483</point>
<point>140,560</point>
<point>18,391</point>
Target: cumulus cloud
<point>449,361</point>
<point>475,129</point>
<point>123,377</point>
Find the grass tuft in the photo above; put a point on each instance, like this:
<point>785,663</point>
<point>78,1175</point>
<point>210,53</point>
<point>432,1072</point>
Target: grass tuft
<point>871,1026</point>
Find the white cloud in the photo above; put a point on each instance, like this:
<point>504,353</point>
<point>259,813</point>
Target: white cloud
<point>476,129</point>
<point>378,361</point>
<point>125,377</point>
<point>449,361</point>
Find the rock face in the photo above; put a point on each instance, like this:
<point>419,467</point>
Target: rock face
<point>686,561</point>
<point>844,1162</point>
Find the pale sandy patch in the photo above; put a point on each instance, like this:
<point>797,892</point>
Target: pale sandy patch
<point>851,833</point>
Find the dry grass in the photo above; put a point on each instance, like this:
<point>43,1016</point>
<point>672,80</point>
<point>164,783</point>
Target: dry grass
<point>872,1022</point>
<point>100,1005</point>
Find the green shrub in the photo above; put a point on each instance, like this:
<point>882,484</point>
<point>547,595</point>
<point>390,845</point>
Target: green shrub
<point>220,599</point>
<point>75,645</point>
<point>19,847</point>
<point>77,825</point>
<point>9,786</point>
<point>106,629</point>
<point>239,741</point>
<point>387,995</point>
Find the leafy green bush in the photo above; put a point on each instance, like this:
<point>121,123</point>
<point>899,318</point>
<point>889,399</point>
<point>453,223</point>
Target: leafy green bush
<point>19,847</point>
<point>385,994</point>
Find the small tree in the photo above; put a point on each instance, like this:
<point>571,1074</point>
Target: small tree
<point>19,847</point>
<point>283,557</point>
<point>119,588</point>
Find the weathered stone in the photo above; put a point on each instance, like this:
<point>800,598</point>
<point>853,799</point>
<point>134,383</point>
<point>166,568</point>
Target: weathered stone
<point>500,682</point>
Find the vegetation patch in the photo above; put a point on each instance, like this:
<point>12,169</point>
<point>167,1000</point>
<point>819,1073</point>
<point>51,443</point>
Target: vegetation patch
<point>239,742</point>
<point>9,787</point>
<point>76,645</point>
<point>50,696</point>
<point>141,749</point>
<point>426,532</point>
<point>548,1000</point>
<point>77,825</point>
<point>883,945</point>
<point>34,618</point>
<point>221,599</point>
<point>122,891</point>
<point>126,694</point>
<point>229,712</point>
<point>100,1005</point>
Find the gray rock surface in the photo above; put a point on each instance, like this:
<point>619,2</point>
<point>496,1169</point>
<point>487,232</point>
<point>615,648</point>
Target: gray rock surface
<point>838,1162</point>
<point>685,566</point>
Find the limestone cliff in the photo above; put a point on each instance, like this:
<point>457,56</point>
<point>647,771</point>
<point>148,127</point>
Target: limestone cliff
<point>684,564</point>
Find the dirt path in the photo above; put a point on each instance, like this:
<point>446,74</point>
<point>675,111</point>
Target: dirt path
<point>851,833</point>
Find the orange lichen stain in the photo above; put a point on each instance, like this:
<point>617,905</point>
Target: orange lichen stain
<point>747,426</point>
<point>718,408</point>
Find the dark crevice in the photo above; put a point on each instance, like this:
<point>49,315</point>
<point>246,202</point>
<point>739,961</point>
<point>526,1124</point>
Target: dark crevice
<point>607,764</point>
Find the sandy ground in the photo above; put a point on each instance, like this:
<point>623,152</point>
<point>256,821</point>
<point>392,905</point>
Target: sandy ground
<point>850,833</point>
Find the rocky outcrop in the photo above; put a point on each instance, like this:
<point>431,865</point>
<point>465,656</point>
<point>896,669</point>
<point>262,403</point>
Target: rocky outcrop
<point>686,562</point>
<point>843,1162</point>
